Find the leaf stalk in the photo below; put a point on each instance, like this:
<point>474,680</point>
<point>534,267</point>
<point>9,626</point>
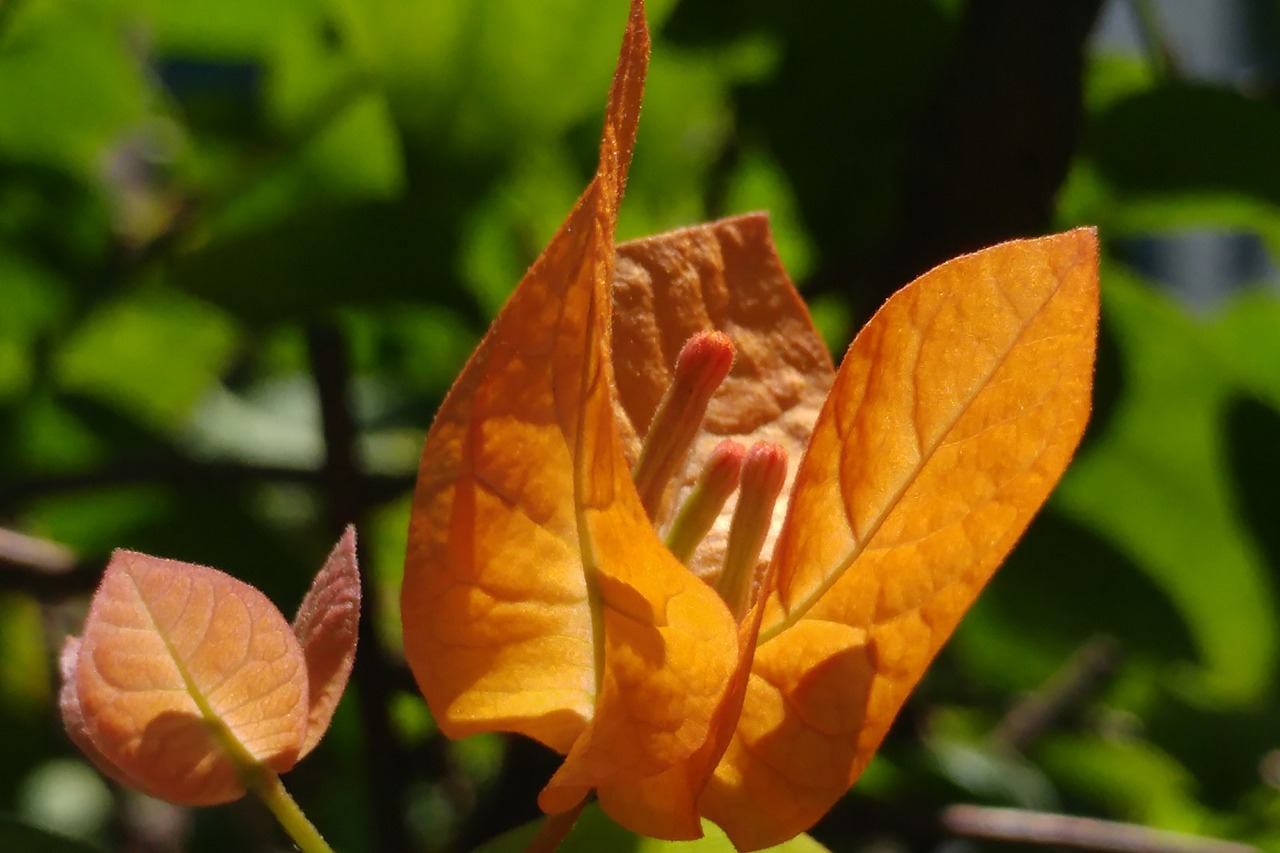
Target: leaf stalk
<point>267,785</point>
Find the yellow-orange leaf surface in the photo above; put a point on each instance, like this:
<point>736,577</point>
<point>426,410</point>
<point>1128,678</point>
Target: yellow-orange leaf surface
<point>186,678</point>
<point>537,597</point>
<point>953,414</point>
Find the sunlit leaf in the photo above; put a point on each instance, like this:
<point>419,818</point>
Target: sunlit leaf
<point>953,414</point>
<point>73,716</point>
<point>537,596</point>
<point>185,673</point>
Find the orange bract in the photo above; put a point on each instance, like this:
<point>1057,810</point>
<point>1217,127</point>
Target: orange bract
<point>953,414</point>
<point>186,678</point>
<point>537,596</point>
<point>539,599</point>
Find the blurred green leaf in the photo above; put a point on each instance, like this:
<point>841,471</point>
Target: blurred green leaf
<point>70,85</point>
<point>307,265</point>
<point>24,684</point>
<point>48,433</point>
<point>1177,156</point>
<point>1243,339</point>
<point>1065,583</point>
<point>849,176</point>
<point>153,354</point>
<point>1186,138</point>
<point>475,76</point>
<point>1155,486</point>
<point>34,300</point>
<point>1133,780</point>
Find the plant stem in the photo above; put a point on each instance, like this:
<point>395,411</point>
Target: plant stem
<point>267,785</point>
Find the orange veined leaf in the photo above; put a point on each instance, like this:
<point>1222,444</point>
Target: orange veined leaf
<point>183,677</point>
<point>327,626</point>
<point>537,596</point>
<point>953,414</point>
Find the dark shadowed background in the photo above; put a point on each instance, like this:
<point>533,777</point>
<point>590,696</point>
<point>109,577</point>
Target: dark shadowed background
<point>246,246</point>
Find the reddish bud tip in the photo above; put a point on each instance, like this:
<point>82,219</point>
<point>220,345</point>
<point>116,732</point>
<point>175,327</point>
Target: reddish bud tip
<point>723,469</point>
<point>764,472</point>
<point>702,365</point>
<point>704,362</point>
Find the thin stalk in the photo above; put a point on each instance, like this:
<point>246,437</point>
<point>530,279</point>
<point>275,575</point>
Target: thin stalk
<point>267,785</point>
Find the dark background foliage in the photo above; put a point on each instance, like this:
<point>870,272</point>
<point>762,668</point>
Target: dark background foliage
<point>245,247</point>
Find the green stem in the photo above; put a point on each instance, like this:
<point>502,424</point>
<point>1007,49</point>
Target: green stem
<point>267,785</point>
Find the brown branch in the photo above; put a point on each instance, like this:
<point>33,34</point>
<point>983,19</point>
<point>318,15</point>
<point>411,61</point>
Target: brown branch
<point>374,674</point>
<point>187,472</point>
<point>1080,833</point>
<point>44,569</point>
<point>1082,677</point>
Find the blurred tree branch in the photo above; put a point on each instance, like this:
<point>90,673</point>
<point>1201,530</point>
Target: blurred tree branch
<point>991,152</point>
<point>1081,678</point>
<point>1078,833</point>
<point>346,492</point>
<point>175,471</point>
<point>44,569</point>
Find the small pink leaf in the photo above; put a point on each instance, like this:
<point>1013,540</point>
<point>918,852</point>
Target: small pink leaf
<point>184,678</point>
<point>326,627</point>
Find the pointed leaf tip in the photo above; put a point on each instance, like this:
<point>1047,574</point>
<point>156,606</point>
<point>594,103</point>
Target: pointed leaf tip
<point>327,626</point>
<point>184,676</point>
<point>537,596</point>
<point>622,113</point>
<point>954,412</point>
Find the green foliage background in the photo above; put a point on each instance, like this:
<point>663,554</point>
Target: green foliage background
<point>204,205</point>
